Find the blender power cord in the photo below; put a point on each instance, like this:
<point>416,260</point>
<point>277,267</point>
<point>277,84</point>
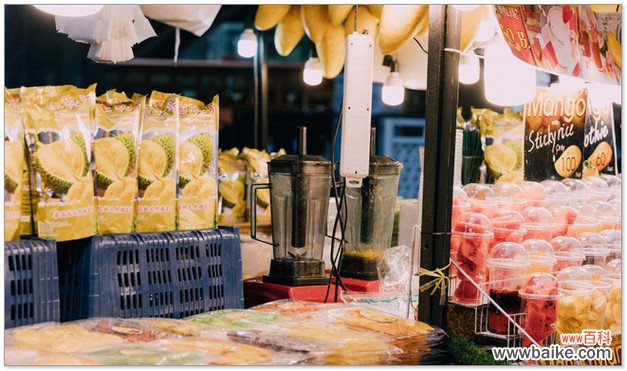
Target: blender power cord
<point>336,257</point>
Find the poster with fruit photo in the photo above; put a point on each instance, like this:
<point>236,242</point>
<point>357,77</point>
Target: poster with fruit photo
<point>554,133</point>
<point>512,24</point>
<point>599,145</point>
<point>558,38</point>
<point>610,25</point>
<point>596,61</point>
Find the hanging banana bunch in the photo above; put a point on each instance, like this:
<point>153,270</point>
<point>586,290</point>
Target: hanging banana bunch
<point>328,25</point>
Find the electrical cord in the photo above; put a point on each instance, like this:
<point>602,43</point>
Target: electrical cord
<point>420,45</point>
<point>338,219</point>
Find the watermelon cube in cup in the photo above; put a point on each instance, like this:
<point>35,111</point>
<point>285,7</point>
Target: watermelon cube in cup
<point>539,298</point>
<point>507,266</point>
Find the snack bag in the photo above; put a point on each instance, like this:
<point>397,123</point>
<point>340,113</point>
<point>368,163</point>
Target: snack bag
<point>231,188</point>
<point>156,203</point>
<point>198,166</point>
<point>116,144</point>
<point>15,165</point>
<point>257,162</point>
<point>58,121</point>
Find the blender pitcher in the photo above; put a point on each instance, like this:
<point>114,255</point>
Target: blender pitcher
<point>370,216</point>
<point>300,187</point>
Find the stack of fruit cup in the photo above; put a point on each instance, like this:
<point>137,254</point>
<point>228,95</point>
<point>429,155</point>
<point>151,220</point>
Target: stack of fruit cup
<point>566,254</point>
<point>614,299</point>
<point>539,223</point>
<point>539,298</point>
<point>541,256</point>
<point>613,242</point>
<point>481,196</point>
<point>597,298</point>
<point>507,267</point>
<point>595,183</point>
<point>584,224</point>
<point>594,249</point>
<point>470,241</point>
<point>461,205</point>
<point>612,180</point>
<point>573,307</point>
<point>533,192</point>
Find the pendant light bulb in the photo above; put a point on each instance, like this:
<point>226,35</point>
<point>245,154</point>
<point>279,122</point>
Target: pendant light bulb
<point>468,69</point>
<point>70,10</point>
<point>312,73</point>
<point>247,44</point>
<point>393,91</point>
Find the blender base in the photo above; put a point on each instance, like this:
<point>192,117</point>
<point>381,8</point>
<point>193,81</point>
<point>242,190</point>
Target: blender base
<point>296,273</point>
<point>359,267</point>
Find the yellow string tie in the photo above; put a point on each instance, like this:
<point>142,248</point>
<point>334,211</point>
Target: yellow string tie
<point>439,281</point>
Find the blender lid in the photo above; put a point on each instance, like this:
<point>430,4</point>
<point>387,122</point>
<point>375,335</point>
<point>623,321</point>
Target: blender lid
<point>293,164</point>
<point>384,165</point>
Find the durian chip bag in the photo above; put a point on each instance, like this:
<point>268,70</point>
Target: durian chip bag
<point>15,166</point>
<point>58,121</point>
<point>198,142</point>
<point>231,188</point>
<point>257,172</point>
<point>116,146</point>
<point>156,202</point>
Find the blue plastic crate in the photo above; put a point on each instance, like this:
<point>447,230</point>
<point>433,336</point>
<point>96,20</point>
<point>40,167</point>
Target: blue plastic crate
<point>168,274</point>
<point>31,283</point>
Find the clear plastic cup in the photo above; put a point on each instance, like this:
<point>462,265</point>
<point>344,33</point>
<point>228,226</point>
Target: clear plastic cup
<point>613,320</point>
<point>507,227</point>
<point>595,255</point>
<point>539,304</point>
<point>599,279</point>
<point>583,224</point>
<point>595,182</point>
<point>613,268</point>
<point>533,192</point>
<point>541,256</point>
<point>612,180</point>
<point>564,216</point>
<point>553,187</point>
<point>487,207</point>
<point>506,189</point>
<point>575,184</point>
<point>539,231</point>
<point>509,203</point>
<point>573,307</point>
<point>566,243</point>
<point>507,266</point>
<point>476,191</point>
<point>566,259</point>
<point>470,243</point>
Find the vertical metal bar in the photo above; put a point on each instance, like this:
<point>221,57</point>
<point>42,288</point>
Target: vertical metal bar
<point>261,94</point>
<point>442,94</point>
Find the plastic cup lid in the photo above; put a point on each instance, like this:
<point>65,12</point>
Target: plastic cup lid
<point>538,248</point>
<point>540,285</point>
<point>594,252</point>
<point>478,191</point>
<point>574,274</point>
<point>508,255</point>
<point>569,256</point>
<point>539,226</point>
<point>554,187</point>
<point>474,223</point>
<point>506,189</point>
<point>537,214</point>
<point>566,243</point>
<point>613,268</point>
<point>575,287</point>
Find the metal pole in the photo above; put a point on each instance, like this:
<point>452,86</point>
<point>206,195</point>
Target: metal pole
<point>261,94</point>
<point>442,94</point>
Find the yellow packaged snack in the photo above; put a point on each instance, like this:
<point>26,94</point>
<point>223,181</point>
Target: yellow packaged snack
<point>198,142</point>
<point>15,165</point>
<point>231,188</point>
<point>58,121</point>
<point>158,154</point>
<point>116,145</point>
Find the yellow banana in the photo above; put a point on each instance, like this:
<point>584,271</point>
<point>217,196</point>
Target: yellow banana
<point>268,16</point>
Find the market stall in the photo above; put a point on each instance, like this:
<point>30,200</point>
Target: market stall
<point>133,236</point>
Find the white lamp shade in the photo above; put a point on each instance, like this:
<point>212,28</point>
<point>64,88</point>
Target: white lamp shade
<point>247,44</point>
<point>486,30</point>
<point>468,69</point>
<point>312,73</point>
<point>70,10</point>
<point>466,8</point>
<point>412,64</point>
<point>507,80</point>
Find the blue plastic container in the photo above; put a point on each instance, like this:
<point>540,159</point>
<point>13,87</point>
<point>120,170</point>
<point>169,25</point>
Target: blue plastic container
<point>165,274</point>
<point>31,282</point>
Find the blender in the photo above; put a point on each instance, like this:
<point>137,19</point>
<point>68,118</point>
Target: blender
<point>369,210</point>
<point>300,186</point>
